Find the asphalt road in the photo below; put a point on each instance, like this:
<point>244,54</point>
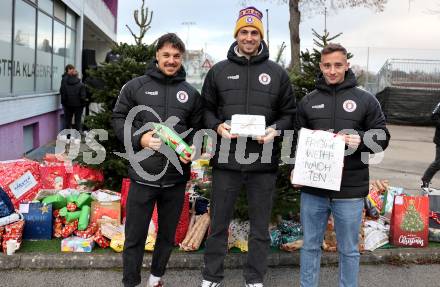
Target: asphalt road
<point>410,152</point>
<point>377,275</point>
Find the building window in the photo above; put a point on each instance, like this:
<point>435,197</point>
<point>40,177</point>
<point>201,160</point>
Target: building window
<point>24,47</point>
<point>30,137</point>
<point>44,53</point>
<point>59,11</point>
<point>59,52</point>
<point>5,47</point>
<point>46,6</point>
<point>70,19</point>
<point>70,46</point>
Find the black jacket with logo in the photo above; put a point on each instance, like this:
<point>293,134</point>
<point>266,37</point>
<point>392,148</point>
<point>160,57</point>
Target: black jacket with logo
<point>256,86</point>
<point>72,91</point>
<point>167,96</point>
<point>345,107</point>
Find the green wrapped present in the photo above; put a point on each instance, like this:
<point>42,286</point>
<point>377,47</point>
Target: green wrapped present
<point>171,139</point>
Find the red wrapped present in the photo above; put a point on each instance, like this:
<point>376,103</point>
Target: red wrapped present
<point>56,213</point>
<point>89,232</point>
<point>53,158</point>
<point>57,227</point>
<point>69,228</point>
<point>53,177</point>
<point>124,195</point>
<point>106,211</point>
<point>182,226</point>
<point>2,230</point>
<point>101,240</point>
<point>84,178</point>
<point>410,221</point>
<point>13,231</point>
<point>20,179</point>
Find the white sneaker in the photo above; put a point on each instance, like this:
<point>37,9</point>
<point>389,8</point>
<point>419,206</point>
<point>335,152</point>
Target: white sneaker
<point>206,283</point>
<point>254,285</point>
<point>154,281</point>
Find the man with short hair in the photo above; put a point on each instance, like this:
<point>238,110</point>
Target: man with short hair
<point>247,83</point>
<point>163,89</point>
<point>339,106</point>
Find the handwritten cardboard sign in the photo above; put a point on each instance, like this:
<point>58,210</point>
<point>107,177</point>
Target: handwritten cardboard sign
<point>319,159</point>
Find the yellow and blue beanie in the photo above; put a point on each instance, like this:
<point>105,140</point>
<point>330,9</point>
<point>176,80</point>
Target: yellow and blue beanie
<point>249,16</point>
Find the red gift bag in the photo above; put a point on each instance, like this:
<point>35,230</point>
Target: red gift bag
<point>182,226</point>
<point>409,221</point>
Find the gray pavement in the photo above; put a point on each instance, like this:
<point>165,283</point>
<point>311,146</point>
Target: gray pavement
<point>370,275</point>
<point>410,152</point>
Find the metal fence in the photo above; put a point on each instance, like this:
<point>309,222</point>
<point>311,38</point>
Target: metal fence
<point>409,73</point>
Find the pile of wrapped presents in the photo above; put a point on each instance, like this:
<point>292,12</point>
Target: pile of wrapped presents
<point>56,198</point>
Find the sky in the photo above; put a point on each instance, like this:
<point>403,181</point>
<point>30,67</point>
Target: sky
<point>406,29</point>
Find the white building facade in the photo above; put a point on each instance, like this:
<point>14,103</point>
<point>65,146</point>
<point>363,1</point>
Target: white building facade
<point>38,38</point>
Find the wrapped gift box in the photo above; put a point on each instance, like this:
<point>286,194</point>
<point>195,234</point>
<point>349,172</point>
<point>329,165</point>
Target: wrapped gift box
<point>77,244</point>
<point>13,231</point>
<point>38,218</point>
<point>20,179</point>
<point>106,211</point>
<point>248,125</point>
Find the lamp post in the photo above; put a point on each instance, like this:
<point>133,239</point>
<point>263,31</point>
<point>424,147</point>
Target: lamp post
<point>188,24</point>
<point>267,27</point>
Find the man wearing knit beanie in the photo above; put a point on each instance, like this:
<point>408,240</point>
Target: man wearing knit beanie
<point>246,83</point>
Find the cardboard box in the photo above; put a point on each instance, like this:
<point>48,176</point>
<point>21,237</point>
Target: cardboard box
<point>38,219</point>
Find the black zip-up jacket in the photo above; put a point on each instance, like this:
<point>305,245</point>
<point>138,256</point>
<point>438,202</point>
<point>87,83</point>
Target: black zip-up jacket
<point>345,106</point>
<point>167,96</point>
<point>72,91</point>
<point>256,86</point>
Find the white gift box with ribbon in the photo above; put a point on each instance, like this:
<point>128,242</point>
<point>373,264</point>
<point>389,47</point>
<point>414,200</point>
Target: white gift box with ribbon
<point>248,125</point>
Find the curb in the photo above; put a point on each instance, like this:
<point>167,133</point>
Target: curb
<point>29,261</point>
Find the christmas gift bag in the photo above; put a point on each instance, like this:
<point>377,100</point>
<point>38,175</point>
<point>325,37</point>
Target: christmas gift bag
<point>389,201</point>
<point>409,221</point>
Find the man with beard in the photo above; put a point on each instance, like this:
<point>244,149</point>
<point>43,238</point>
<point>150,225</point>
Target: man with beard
<point>163,89</point>
<point>247,83</point>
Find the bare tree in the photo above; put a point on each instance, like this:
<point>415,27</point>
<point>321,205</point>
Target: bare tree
<point>296,7</point>
<point>143,22</point>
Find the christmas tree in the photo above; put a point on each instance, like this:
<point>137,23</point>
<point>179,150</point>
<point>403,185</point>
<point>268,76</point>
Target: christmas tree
<point>412,221</point>
<point>304,80</point>
<point>131,62</point>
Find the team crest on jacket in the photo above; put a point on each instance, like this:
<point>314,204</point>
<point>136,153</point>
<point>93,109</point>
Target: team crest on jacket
<point>264,79</point>
<point>182,96</point>
<point>349,106</point>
